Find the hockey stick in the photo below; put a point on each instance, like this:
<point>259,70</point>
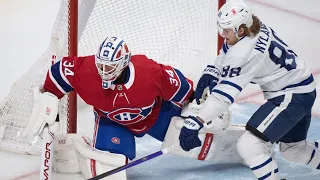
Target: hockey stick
<point>133,163</point>
<point>46,156</point>
<point>46,153</point>
<point>47,146</point>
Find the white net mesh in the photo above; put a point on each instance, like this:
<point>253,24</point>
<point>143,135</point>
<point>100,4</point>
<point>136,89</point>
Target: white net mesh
<point>181,33</point>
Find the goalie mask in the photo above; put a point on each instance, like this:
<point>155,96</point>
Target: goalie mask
<point>232,14</point>
<point>112,58</point>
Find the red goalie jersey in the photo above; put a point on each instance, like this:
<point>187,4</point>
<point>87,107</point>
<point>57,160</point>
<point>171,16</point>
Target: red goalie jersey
<point>135,103</point>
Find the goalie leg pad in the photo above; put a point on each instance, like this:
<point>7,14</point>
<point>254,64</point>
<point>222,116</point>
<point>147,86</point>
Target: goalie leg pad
<point>93,162</point>
<point>74,154</point>
<point>65,155</point>
<point>112,137</point>
<point>218,148</point>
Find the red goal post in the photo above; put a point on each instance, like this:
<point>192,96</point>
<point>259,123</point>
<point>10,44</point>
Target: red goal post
<point>181,33</point>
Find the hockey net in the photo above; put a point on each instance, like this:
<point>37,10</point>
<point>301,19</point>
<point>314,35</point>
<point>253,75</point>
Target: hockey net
<point>181,33</point>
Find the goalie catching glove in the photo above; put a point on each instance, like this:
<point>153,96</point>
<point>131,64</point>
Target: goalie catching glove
<point>44,111</point>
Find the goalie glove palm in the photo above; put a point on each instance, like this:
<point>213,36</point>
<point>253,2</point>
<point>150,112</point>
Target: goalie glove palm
<point>188,137</point>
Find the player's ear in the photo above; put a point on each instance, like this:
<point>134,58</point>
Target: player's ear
<point>241,31</point>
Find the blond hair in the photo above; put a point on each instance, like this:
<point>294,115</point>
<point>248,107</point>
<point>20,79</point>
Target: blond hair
<point>254,29</point>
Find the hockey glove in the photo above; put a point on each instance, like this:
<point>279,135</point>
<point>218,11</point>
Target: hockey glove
<point>208,79</point>
<point>44,111</point>
<point>189,133</point>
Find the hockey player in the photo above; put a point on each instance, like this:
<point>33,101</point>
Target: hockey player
<point>253,52</point>
<point>131,96</point>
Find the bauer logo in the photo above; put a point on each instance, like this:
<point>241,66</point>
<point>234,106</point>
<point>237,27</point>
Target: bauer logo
<point>115,140</point>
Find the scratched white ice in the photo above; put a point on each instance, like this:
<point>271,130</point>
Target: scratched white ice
<point>25,33</point>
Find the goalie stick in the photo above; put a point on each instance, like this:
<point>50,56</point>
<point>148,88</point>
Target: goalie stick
<point>47,139</point>
<point>46,153</point>
<point>131,164</point>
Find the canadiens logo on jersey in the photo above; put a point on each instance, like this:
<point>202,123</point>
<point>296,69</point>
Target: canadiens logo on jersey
<point>115,140</point>
<point>126,116</point>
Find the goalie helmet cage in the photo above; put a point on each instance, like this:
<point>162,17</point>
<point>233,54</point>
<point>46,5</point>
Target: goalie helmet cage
<point>180,33</point>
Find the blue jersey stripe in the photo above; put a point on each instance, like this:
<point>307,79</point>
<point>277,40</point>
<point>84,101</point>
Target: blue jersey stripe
<point>185,87</point>
<point>226,45</point>
<point>115,51</point>
<point>224,94</point>
<point>231,84</point>
<point>224,48</point>
<point>307,81</point>
<point>55,71</point>
<point>100,48</point>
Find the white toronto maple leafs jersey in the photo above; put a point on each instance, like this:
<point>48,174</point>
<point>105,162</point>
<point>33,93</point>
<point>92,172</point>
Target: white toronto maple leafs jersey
<point>265,60</point>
